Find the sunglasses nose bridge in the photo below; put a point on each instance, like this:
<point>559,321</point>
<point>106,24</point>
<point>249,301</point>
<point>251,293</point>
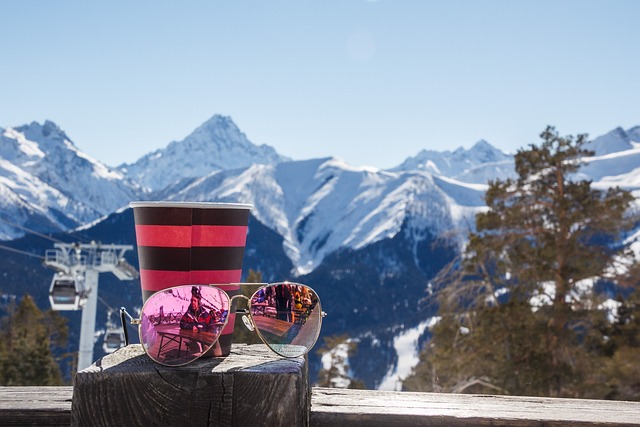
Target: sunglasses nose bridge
<point>233,298</point>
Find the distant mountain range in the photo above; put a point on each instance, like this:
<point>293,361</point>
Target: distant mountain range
<point>367,240</point>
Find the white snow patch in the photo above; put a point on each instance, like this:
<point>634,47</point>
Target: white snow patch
<point>30,148</point>
<point>338,357</point>
<point>406,346</point>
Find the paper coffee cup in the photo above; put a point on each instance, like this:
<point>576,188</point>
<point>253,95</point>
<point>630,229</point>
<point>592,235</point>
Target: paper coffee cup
<point>189,243</point>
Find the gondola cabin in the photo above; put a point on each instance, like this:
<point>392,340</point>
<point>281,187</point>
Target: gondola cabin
<point>66,293</point>
<point>113,340</point>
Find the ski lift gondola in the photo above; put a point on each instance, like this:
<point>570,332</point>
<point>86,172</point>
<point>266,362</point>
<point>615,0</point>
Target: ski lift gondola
<point>66,292</point>
<point>113,340</point>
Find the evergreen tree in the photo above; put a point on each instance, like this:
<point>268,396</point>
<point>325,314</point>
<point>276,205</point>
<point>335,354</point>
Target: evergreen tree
<point>515,316</point>
<point>27,338</point>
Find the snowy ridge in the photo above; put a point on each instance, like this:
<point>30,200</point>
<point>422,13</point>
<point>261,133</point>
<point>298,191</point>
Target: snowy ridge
<point>617,168</point>
<point>217,144</point>
<point>321,205</point>
<point>615,141</point>
<point>50,184</point>
<point>26,195</point>
<point>477,165</point>
<point>317,205</point>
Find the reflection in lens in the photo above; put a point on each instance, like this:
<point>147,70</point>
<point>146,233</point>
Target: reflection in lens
<point>288,317</point>
<point>182,323</point>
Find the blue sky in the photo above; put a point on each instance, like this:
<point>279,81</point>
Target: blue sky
<point>371,82</point>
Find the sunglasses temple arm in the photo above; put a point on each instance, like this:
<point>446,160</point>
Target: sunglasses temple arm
<point>123,315</point>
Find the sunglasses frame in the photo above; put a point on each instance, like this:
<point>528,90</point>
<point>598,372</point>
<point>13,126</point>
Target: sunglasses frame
<point>246,320</point>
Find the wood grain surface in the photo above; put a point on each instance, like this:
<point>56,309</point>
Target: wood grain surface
<point>332,407</point>
<point>251,386</point>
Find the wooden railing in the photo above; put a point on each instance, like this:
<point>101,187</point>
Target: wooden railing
<point>251,387</point>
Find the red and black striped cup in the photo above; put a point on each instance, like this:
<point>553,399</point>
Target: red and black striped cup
<point>181,243</point>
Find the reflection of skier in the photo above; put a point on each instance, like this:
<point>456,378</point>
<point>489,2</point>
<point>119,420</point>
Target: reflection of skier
<point>283,303</point>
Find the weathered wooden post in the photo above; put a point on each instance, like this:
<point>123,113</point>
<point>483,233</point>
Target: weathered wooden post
<point>251,386</point>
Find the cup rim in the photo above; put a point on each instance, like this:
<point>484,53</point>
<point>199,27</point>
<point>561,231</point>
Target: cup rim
<point>202,205</point>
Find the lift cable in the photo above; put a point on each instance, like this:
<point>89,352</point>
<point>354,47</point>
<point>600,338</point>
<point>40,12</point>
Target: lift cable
<point>35,233</point>
<point>44,236</point>
<point>10,249</point>
<point>73,234</point>
<point>107,304</point>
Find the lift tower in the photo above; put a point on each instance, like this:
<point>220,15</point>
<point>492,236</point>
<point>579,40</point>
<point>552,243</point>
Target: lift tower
<point>75,284</point>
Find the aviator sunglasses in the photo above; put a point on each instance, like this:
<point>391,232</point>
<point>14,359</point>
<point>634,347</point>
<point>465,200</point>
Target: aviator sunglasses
<point>178,325</point>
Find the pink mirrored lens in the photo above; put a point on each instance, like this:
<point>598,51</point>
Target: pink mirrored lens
<point>181,324</point>
<point>288,317</point>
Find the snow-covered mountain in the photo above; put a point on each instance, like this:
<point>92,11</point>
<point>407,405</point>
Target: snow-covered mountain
<point>318,206</point>
<point>478,165</point>
<point>616,161</point>
<point>48,184</point>
<point>216,145</point>
<point>614,141</point>
<point>322,205</point>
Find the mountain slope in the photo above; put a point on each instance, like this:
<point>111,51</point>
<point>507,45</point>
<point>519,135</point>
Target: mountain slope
<point>50,184</point>
<point>216,145</point>
<point>614,141</point>
<point>322,205</point>
<point>477,165</point>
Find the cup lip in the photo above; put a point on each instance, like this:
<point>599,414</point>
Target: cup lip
<point>202,205</point>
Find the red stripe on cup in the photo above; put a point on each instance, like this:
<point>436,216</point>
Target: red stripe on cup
<point>219,235</point>
<point>163,236</point>
<point>187,236</point>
